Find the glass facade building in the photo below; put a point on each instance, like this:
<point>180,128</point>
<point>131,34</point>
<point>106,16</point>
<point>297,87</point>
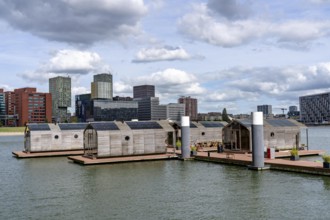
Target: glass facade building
<point>315,109</point>
<point>2,107</point>
<point>144,91</point>
<point>105,110</point>
<point>60,88</point>
<point>102,87</point>
<point>83,107</point>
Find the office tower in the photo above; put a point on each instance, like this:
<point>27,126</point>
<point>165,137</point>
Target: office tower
<point>102,87</point>
<point>60,88</point>
<point>266,109</point>
<point>83,105</point>
<point>293,108</point>
<point>106,110</point>
<point>171,111</point>
<point>32,106</point>
<point>146,108</point>
<point>175,111</point>
<point>190,106</point>
<point>143,91</point>
<point>2,107</point>
<point>315,109</point>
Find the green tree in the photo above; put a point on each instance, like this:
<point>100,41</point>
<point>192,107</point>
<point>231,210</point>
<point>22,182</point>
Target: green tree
<point>225,116</point>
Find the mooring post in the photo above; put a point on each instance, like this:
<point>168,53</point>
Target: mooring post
<point>185,137</point>
<point>257,141</point>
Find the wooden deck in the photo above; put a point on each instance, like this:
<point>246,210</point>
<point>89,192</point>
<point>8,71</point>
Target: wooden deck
<point>299,166</point>
<point>302,153</point>
<point>24,154</point>
<point>109,160</point>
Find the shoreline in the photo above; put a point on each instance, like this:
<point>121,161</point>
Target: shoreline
<point>11,133</point>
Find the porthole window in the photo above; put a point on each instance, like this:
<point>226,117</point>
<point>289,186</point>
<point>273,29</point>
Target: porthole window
<point>272,134</point>
<point>203,133</point>
<point>75,136</point>
<point>56,136</point>
<point>127,138</point>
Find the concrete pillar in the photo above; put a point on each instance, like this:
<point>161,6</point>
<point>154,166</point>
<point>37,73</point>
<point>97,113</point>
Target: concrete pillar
<point>257,140</point>
<point>185,137</point>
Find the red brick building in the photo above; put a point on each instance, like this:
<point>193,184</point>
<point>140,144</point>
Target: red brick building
<point>191,107</point>
<point>32,106</point>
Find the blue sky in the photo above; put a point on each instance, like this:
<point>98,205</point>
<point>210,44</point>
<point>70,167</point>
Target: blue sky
<point>231,54</point>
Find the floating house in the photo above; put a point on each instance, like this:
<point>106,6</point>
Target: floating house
<point>278,133</point>
<point>113,139</point>
<point>54,137</point>
<point>203,131</point>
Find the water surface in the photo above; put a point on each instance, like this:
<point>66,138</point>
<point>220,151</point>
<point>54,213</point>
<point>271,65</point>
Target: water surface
<point>54,188</point>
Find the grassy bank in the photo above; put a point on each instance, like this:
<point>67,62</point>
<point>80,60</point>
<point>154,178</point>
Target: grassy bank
<point>12,129</point>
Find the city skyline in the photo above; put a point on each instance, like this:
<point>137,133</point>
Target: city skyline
<point>227,54</point>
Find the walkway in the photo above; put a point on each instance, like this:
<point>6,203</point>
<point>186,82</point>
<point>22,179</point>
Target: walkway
<point>300,166</point>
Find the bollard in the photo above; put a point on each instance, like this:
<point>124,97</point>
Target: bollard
<point>208,153</point>
<point>185,137</point>
<point>257,140</point>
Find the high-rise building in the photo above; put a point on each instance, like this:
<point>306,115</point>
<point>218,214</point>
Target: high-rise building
<point>84,110</point>
<point>293,108</point>
<point>175,111</point>
<point>2,107</point>
<point>60,88</point>
<point>11,113</point>
<point>144,91</point>
<point>32,106</point>
<point>102,87</point>
<point>191,107</point>
<point>171,111</point>
<point>147,108</point>
<point>315,109</point>
<point>265,109</point>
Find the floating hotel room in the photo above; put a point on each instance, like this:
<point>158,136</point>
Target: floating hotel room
<point>54,137</point>
<point>278,133</point>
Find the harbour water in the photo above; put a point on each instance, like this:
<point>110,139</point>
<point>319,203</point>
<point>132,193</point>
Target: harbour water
<point>54,188</point>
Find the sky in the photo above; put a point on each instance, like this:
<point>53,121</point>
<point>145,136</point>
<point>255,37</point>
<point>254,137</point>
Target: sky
<point>233,54</point>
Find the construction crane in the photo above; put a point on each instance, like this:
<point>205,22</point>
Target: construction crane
<point>283,109</point>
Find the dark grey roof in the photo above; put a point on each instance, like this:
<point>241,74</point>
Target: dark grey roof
<point>38,127</point>
<point>212,124</point>
<point>104,126</point>
<point>245,122</point>
<point>143,125</point>
<point>192,125</point>
<point>271,122</point>
<point>72,126</point>
<point>280,123</point>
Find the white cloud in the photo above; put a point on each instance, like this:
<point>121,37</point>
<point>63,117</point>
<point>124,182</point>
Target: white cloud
<point>277,82</point>
<point>166,53</point>
<point>201,25</point>
<point>73,61</point>
<point>169,83</point>
<point>230,94</point>
<point>81,22</point>
<point>122,89</point>
<point>169,77</point>
<point>66,62</point>
<point>79,90</point>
